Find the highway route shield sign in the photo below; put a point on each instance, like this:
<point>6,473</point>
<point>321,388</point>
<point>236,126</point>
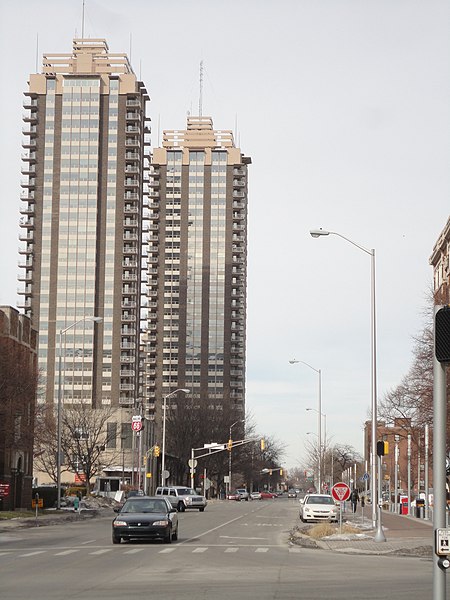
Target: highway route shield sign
<point>340,491</point>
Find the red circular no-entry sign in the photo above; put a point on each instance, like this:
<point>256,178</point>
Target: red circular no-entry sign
<point>340,491</point>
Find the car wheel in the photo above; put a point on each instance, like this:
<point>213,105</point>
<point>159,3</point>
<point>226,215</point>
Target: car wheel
<point>246,499</point>
<point>181,507</point>
<point>116,539</point>
<point>168,537</point>
<point>201,509</point>
<point>175,535</point>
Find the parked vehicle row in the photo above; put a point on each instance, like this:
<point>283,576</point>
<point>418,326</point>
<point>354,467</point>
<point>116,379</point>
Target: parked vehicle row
<point>238,496</point>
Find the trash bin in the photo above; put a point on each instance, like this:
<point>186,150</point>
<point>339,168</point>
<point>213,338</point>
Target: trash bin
<point>420,508</point>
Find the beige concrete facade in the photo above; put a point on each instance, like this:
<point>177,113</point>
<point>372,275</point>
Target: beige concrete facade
<point>440,261</point>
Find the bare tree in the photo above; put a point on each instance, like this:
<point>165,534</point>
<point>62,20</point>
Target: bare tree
<point>410,404</point>
<point>193,423</point>
<point>84,438</point>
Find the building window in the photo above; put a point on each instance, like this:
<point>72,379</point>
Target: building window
<point>111,435</point>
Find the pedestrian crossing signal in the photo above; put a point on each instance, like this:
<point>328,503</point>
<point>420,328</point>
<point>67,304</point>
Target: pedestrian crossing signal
<point>156,451</point>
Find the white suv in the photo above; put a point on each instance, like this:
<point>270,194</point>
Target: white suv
<point>182,497</point>
<point>244,495</point>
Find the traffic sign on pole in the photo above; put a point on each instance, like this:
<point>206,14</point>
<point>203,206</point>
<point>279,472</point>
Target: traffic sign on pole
<point>340,491</point>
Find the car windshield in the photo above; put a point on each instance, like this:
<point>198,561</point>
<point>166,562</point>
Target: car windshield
<point>320,500</point>
<point>145,506</point>
<point>185,491</point>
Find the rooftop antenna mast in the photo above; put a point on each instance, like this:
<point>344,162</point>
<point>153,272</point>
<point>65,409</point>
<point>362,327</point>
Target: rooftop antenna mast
<point>200,100</point>
<point>37,51</point>
<point>82,22</point>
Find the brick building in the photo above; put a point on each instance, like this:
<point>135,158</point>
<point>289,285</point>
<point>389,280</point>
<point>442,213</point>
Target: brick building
<point>18,376</point>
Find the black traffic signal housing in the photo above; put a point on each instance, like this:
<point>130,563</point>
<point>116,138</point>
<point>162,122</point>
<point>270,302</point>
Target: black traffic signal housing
<point>382,448</point>
<point>442,335</point>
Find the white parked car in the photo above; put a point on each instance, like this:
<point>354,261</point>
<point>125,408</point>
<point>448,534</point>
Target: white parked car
<point>318,507</point>
<point>255,495</point>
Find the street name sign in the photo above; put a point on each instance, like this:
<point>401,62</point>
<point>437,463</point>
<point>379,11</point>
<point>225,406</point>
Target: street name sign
<point>340,491</point>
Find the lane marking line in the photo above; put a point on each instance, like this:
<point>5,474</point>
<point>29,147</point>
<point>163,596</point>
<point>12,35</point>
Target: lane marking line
<point>233,537</point>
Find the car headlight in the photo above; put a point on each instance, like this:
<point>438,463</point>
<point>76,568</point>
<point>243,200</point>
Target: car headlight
<point>188,500</point>
<point>161,523</point>
<point>118,523</point>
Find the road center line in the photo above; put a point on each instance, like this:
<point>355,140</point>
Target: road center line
<point>211,530</point>
<point>233,537</point>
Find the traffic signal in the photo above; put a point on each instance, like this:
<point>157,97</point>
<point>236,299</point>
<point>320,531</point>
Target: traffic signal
<point>263,445</point>
<point>382,448</point>
<point>156,451</point>
<point>229,445</point>
<point>442,335</point>
<point>281,471</point>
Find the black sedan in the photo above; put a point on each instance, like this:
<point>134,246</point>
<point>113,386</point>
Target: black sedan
<point>145,518</point>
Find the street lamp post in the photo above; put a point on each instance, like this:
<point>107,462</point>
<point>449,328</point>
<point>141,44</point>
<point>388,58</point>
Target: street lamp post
<point>319,420</point>
<point>376,508</point>
<point>229,457</point>
<point>163,457</point>
<point>312,433</point>
<point>58,420</point>
<point>324,437</point>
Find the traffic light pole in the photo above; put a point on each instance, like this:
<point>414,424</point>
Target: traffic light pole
<point>214,450</point>
<point>441,358</point>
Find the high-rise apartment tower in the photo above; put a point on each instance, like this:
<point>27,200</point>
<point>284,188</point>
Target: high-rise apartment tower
<point>197,268</point>
<point>82,222</point>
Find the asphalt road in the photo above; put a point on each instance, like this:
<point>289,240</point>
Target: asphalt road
<point>232,550</point>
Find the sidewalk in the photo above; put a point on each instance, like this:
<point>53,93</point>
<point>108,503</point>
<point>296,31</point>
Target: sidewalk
<point>405,535</point>
<point>53,518</point>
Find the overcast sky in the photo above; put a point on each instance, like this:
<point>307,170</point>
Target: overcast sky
<point>344,107</point>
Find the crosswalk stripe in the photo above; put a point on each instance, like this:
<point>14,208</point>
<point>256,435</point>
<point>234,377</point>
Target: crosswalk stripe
<point>134,551</point>
<point>262,550</point>
<point>65,552</point>
<point>294,550</point>
<point>199,550</point>
<point>100,551</point>
<point>167,550</point>
<point>231,549</point>
<point>32,553</point>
